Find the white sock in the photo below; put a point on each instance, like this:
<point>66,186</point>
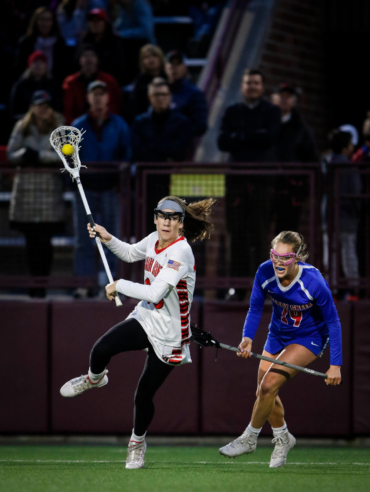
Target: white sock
<point>254,431</point>
<point>136,438</point>
<point>95,378</point>
<point>279,431</point>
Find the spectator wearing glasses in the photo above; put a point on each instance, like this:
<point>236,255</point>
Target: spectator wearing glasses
<point>161,134</point>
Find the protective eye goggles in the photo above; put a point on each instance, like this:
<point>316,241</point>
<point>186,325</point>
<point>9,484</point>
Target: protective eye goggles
<point>286,259</point>
<point>168,215</point>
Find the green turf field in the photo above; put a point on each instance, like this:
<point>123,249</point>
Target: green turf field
<point>180,469</point>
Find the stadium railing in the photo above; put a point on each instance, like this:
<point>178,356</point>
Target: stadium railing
<point>13,271</point>
<point>254,200</point>
<point>347,211</point>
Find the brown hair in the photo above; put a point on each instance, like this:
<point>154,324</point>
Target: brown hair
<point>158,82</point>
<point>255,71</point>
<point>197,223</point>
<point>33,30</point>
<point>153,50</point>
<point>296,240</point>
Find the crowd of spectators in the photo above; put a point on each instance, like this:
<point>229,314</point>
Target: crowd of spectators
<point>75,63</point>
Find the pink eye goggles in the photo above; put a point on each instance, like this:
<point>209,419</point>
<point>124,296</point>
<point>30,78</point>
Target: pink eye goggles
<point>286,259</point>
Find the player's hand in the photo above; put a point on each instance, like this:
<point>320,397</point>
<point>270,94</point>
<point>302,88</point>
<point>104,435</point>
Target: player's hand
<point>245,347</point>
<point>104,235</point>
<point>334,376</point>
<point>110,290</point>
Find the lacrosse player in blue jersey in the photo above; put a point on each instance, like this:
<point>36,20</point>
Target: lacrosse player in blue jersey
<point>304,319</point>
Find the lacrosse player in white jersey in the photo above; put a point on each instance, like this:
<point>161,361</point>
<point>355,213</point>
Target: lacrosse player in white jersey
<point>160,322</point>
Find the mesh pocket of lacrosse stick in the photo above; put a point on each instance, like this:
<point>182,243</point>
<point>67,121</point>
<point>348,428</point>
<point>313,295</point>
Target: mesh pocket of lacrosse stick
<point>68,135</point>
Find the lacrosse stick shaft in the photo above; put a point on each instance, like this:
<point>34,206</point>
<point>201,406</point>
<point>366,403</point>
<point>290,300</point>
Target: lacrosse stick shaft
<point>278,362</point>
<point>97,239</point>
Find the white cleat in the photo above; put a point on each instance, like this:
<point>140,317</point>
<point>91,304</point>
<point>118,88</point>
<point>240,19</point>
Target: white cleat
<point>283,445</point>
<point>76,386</point>
<point>136,455</point>
<point>245,444</point>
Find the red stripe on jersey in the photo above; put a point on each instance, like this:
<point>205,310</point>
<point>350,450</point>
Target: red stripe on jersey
<point>160,250</point>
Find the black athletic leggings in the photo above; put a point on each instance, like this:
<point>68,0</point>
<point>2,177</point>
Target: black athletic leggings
<point>124,337</point>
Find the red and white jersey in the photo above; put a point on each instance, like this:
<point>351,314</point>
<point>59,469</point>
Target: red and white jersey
<point>167,323</point>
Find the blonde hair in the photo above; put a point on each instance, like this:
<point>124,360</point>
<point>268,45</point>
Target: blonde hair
<point>296,240</point>
<point>197,222</point>
<point>153,50</point>
<point>29,119</point>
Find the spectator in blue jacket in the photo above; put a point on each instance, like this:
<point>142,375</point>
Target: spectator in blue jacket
<point>107,138</point>
<point>134,20</point>
<point>186,97</point>
<point>161,134</point>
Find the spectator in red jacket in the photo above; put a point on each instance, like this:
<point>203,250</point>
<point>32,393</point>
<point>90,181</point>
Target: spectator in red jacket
<point>75,86</point>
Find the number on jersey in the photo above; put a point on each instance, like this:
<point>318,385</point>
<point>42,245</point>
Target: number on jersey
<point>296,316</point>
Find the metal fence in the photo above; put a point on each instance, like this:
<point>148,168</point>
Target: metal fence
<point>346,227</point>
<point>14,271</point>
<point>254,203</point>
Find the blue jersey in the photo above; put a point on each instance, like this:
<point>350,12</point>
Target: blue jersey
<point>304,308</point>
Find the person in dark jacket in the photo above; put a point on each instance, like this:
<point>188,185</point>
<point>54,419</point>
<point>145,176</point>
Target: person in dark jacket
<point>108,46</point>
<point>296,143</point>
<point>162,134</point>
<point>35,78</point>
<point>186,97</point>
<point>107,138</point>
<point>43,35</point>
<point>349,208</point>
<point>75,85</point>
<point>249,132</point>
<point>151,61</point>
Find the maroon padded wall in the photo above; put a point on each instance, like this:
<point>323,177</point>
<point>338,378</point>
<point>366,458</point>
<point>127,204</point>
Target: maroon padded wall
<point>76,327</point>
<point>361,368</point>
<point>229,385</point>
<point>24,365</point>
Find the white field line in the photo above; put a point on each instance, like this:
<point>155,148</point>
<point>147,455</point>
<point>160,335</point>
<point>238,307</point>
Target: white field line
<point>174,462</point>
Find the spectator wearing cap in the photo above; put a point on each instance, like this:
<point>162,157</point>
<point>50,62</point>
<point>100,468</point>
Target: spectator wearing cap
<point>162,133</point>
<point>75,85</point>
<point>43,35</point>
<point>107,138</point>
<point>349,208</point>
<point>186,97</point>
<point>151,61</point>
<point>37,77</point>
<point>296,143</point>
<point>108,46</point>
<point>36,208</point>
<point>72,20</point>
<point>249,132</point>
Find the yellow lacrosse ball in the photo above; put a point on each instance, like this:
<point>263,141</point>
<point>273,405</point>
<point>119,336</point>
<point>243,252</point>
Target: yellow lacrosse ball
<point>67,149</point>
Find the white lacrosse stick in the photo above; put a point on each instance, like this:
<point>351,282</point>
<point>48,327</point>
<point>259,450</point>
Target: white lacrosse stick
<point>65,141</point>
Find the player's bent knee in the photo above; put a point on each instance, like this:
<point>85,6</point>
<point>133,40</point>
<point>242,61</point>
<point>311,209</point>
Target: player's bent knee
<point>268,387</point>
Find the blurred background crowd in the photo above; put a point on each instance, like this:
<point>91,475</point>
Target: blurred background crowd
<point>127,72</point>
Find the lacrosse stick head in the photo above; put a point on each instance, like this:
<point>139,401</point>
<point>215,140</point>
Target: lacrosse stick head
<point>71,136</point>
<point>203,338</point>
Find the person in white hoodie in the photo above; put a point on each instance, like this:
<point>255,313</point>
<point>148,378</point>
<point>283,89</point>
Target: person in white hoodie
<point>160,322</point>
